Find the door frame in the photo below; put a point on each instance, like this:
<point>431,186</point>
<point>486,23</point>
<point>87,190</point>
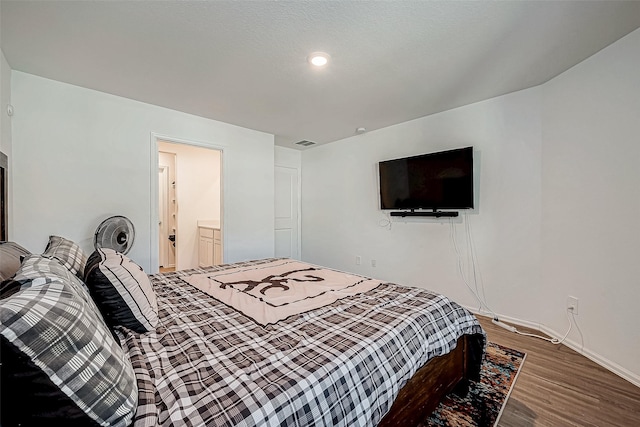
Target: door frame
<point>162,244</point>
<point>155,138</point>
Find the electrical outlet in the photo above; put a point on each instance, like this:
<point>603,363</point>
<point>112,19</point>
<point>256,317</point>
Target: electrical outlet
<point>373,263</point>
<point>572,304</point>
<point>358,260</point>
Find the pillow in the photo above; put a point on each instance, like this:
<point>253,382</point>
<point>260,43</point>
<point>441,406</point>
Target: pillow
<point>68,253</point>
<point>37,266</point>
<point>60,364</point>
<point>10,258</point>
<point>34,266</point>
<point>122,291</point>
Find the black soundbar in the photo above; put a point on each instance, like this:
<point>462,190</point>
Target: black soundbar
<point>437,214</point>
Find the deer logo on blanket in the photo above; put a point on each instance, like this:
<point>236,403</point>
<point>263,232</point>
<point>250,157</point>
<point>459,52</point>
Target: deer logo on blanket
<point>291,288</point>
<point>274,281</point>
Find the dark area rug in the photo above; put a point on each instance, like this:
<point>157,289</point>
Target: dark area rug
<point>483,404</point>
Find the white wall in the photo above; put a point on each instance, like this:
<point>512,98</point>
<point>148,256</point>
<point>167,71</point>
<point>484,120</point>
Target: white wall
<point>591,203</point>
<point>341,218</point>
<point>557,213</point>
<point>288,157</point>
<point>5,99</point>
<point>81,155</point>
<point>198,196</point>
<point>5,128</point>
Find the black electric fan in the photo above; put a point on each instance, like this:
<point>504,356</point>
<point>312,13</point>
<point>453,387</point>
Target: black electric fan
<point>117,233</point>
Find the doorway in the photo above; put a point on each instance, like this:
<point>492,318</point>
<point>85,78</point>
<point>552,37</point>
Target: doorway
<point>189,199</point>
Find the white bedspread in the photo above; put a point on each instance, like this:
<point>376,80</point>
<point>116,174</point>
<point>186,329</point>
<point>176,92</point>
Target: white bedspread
<point>279,289</point>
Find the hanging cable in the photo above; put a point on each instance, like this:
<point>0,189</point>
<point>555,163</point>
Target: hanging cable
<point>452,234</point>
<point>476,293</point>
<point>474,259</point>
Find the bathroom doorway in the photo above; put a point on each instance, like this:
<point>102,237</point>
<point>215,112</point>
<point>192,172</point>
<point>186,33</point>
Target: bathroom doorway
<point>189,206</point>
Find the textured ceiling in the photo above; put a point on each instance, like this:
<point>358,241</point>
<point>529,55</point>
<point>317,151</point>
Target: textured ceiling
<point>244,62</point>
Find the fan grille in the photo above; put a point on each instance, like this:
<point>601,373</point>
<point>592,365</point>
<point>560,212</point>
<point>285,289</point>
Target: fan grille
<point>115,233</point>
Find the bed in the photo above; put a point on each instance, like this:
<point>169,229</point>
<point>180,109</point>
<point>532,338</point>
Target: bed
<point>382,356</point>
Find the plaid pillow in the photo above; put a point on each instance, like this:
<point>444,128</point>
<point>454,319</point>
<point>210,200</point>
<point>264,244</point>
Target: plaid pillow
<point>37,266</point>
<point>41,266</point>
<point>60,364</point>
<point>122,291</point>
<point>68,253</point>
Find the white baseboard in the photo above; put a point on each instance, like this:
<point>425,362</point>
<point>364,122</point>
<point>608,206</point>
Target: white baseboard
<point>597,358</point>
<point>620,371</point>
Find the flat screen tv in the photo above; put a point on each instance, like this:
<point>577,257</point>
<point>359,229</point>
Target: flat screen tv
<point>442,180</point>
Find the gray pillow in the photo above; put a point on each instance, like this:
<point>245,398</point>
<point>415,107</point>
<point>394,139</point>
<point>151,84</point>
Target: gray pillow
<point>11,255</point>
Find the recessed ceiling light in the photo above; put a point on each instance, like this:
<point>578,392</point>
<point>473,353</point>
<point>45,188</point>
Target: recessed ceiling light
<point>319,59</point>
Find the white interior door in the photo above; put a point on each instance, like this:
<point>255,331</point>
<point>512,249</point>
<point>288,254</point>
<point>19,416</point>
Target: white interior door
<point>287,232</point>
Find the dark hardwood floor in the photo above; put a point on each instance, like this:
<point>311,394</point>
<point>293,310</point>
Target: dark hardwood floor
<point>559,387</point>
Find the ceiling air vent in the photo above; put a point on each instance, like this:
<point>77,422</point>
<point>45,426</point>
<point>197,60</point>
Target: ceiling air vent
<point>305,143</point>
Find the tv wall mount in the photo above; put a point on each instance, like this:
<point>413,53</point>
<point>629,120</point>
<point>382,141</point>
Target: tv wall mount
<point>434,213</point>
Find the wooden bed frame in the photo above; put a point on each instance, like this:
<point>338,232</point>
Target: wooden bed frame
<point>424,391</point>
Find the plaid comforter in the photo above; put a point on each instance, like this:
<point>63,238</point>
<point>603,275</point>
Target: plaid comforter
<point>340,365</point>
